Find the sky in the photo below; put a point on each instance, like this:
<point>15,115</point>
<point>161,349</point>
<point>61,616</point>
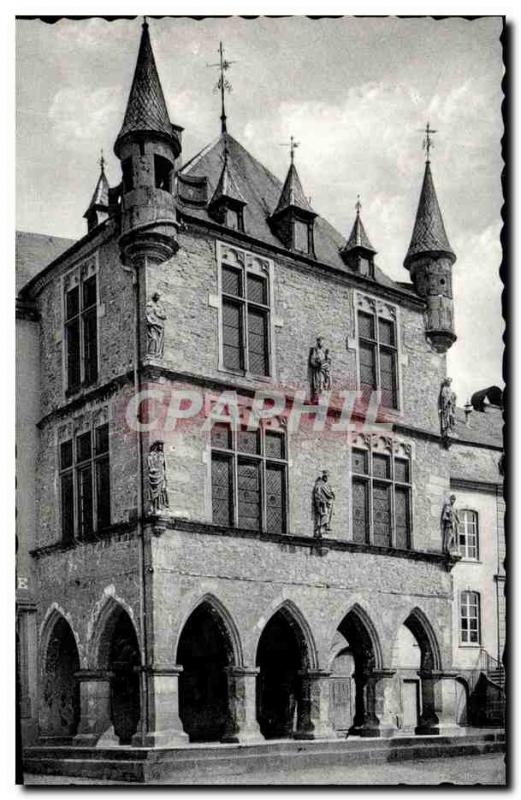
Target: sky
<point>354,92</point>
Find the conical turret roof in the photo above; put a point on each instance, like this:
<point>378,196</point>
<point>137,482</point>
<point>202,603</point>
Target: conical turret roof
<point>292,195</point>
<point>358,237</point>
<point>146,108</point>
<point>429,234</point>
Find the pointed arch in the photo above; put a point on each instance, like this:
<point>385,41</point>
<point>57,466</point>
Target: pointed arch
<point>53,615</point>
<point>299,624</point>
<point>59,688</point>
<point>420,627</point>
<point>225,623</point>
<point>98,652</point>
<point>359,624</point>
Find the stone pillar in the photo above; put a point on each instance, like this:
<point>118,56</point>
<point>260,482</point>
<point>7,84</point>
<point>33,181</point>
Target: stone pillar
<point>438,704</point>
<point>95,727</point>
<point>313,721</point>
<point>242,725</point>
<point>162,725</point>
<point>383,689</point>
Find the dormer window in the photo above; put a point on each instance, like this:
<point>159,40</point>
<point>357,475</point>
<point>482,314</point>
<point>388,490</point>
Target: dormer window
<point>358,252</point>
<point>293,219</point>
<point>234,219</point>
<point>163,173</point>
<point>302,233</point>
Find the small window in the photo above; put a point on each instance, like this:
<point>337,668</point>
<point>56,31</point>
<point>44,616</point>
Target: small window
<point>128,175</point>
<point>468,534</point>
<point>301,234</point>
<point>163,171</point>
<point>470,620</point>
<point>234,219</point>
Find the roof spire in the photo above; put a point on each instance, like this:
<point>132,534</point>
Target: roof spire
<point>146,110</point>
<point>101,162</point>
<point>223,83</point>
<point>358,239</point>
<point>99,204</point>
<point>429,234</point>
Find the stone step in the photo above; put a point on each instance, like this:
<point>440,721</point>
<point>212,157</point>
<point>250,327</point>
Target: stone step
<point>199,764</point>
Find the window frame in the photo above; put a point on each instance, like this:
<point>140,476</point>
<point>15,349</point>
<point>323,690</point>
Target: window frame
<point>235,455</point>
<point>464,530</point>
<point>397,453</point>
<point>75,470</point>
<point>465,605</point>
<point>248,264</point>
<point>77,278</point>
<point>389,312</point>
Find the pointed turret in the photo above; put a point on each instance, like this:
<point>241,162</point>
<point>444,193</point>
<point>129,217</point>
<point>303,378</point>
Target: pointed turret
<point>147,145</point>
<point>227,203</point>
<point>358,252</point>
<point>98,208</point>
<point>293,218</point>
<point>146,111</point>
<point>428,236</point>
<point>429,260</point>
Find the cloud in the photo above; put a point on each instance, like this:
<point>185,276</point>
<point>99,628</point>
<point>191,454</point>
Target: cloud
<point>85,117</point>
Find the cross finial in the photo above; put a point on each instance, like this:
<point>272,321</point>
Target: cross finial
<point>145,23</point>
<point>427,142</point>
<point>102,161</point>
<point>293,144</point>
<point>222,84</point>
<point>358,205</point>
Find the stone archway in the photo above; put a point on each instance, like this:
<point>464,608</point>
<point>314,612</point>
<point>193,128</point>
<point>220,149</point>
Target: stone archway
<point>283,654</point>
<point>361,646</point>
<point>206,652</point>
<point>429,668</point>
<point>60,688</point>
<point>118,653</point>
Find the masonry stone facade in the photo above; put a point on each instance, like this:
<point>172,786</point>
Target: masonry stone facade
<point>218,613</point>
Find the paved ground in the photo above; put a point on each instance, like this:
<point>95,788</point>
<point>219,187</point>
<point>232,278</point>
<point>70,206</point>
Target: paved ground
<point>465,770</point>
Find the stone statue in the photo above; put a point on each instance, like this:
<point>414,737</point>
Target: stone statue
<point>323,497</point>
<point>157,492</point>
<point>320,365</point>
<point>449,526</point>
<point>155,326</point>
<point>447,408</point>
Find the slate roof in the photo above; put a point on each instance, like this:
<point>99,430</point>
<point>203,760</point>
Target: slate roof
<point>146,107</point>
<point>482,427</point>
<point>292,195</point>
<point>358,237</point>
<point>101,193</point>
<point>429,231</point>
<point>262,190</point>
<point>34,252</point>
<point>227,186</point>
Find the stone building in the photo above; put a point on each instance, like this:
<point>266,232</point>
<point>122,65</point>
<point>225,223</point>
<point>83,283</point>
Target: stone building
<point>185,575</point>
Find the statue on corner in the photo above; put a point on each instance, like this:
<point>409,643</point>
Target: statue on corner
<point>155,314</point>
<point>323,498</point>
<point>447,408</point>
<point>157,492</point>
<point>449,526</point>
<point>320,367</point>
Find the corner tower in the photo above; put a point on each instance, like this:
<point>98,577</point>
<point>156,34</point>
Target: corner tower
<point>429,260</point>
<point>148,145</point>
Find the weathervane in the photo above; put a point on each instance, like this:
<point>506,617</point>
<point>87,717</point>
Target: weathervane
<point>358,205</point>
<point>223,84</point>
<point>427,142</point>
<point>292,147</point>
<point>101,162</point>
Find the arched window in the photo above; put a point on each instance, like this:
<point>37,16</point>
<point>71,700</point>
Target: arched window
<point>470,622</point>
<point>468,534</point>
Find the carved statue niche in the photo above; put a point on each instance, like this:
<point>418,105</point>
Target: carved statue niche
<point>447,409</point>
<point>449,526</point>
<point>323,498</point>
<point>157,490</point>
<point>320,368</point>
<point>156,316</point>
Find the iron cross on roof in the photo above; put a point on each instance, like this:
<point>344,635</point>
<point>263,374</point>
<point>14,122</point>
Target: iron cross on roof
<point>293,144</point>
<point>223,84</point>
<point>427,142</point>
